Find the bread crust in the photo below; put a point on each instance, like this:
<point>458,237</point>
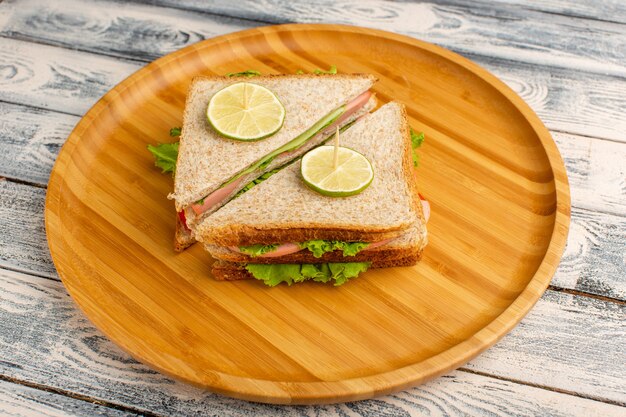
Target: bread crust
<point>227,271</point>
<point>183,238</point>
<point>408,168</point>
<point>244,235</point>
<point>306,257</point>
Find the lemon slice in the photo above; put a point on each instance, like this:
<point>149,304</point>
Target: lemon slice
<point>245,111</point>
<point>353,174</point>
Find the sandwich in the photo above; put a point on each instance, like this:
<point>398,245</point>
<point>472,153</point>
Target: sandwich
<point>212,169</point>
<point>283,231</point>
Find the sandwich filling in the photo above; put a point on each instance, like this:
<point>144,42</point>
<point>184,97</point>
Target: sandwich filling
<point>317,247</point>
<point>323,127</point>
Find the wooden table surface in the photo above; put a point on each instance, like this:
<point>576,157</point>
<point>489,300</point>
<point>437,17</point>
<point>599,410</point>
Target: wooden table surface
<point>567,59</point>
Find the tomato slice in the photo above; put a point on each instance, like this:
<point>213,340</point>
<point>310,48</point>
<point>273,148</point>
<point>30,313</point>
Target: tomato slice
<point>183,219</point>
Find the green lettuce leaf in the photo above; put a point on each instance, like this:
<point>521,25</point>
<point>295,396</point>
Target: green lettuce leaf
<point>416,141</point>
<point>175,131</point>
<point>319,247</point>
<point>342,272</point>
<point>257,181</point>
<point>274,274</point>
<point>247,73</point>
<point>165,155</point>
<point>257,250</point>
<point>332,70</point>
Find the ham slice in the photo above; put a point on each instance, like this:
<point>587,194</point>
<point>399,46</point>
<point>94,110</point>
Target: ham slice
<point>281,250</point>
<point>289,248</point>
<point>215,197</point>
<point>377,244</point>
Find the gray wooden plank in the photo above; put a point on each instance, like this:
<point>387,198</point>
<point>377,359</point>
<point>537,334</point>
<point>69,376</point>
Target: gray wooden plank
<point>112,28</point>
<point>71,81</point>
<point>30,140</point>
<point>606,10</point>
<point>479,27</point>
<point>566,100</point>
<point>554,344</point>
<point>21,401</point>
<point>45,339</point>
<point>56,78</point>
<point>592,262</point>
<point>596,171</point>
<point>23,245</point>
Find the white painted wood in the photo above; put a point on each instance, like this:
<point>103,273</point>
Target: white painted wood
<point>594,260</point>
<point>30,140</point>
<point>57,78</point>
<point>502,31</point>
<point>119,29</point>
<point>596,170</point>
<point>44,338</point>
<point>572,343</point>
<point>567,100</point>
<point>21,401</point>
<point>608,10</point>
<point>23,246</point>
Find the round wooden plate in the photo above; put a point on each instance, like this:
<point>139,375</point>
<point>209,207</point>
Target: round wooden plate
<point>500,214</point>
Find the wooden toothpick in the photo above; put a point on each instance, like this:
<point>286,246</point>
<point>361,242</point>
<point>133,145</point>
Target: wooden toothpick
<point>336,154</point>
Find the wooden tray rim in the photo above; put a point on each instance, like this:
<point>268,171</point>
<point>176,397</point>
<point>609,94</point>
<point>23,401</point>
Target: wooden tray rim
<point>287,392</point>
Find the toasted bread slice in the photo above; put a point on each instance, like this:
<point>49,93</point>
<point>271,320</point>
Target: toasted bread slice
<point>284,209</point>
<point>207,160</point>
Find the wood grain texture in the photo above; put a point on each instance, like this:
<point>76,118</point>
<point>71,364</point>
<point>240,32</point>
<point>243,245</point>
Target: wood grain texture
<point>596,172</point>
<point>112,28</point>
<point>566,100</point>
<point>46,340</point>
<point>23,246</point>
<point>594,258</point>
<point>504,171</point>
<point>591,261</point>
<point>571,343</point>
<point>478,28</point>
<point>30,140</point>
<point>604,10</point>
<point>55,78</point>
<point>21,401</point>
